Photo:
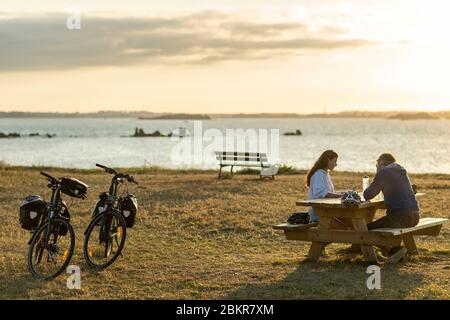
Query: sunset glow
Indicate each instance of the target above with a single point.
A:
(225, 57)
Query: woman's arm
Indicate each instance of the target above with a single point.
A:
(333, 195)
(321, 187)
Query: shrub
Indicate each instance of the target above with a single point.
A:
(287, 169)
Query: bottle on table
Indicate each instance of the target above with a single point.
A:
(365, 183)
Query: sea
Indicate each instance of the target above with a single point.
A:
(421, 146)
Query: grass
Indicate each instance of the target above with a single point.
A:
(197, 237)
(283, 169)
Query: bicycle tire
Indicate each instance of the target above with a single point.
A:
(92, 225)
(33, 243)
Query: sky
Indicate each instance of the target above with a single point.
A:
(235, 56)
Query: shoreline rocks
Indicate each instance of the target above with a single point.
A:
(31, 135)
(140, 133)
(296, 133)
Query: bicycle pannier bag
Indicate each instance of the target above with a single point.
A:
(73, 187)
(128, 207)
(31, 211)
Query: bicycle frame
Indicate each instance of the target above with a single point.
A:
(51, 212)
(110, 219)
(111, 201)
(115, 182)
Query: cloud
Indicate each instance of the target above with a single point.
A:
(43, 42)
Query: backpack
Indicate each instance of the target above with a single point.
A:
(299, 218)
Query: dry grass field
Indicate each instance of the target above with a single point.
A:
(197, 237)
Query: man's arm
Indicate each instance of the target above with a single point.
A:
(375, 187)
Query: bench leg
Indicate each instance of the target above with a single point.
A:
(220, 172)
(410, 244)
(368, 251)
(317, 247)
(315, 250)
(232, 170)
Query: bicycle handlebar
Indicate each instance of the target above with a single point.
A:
(100, 166)
(49, 176)
(108, 170)
(127, 177)
(117, 175)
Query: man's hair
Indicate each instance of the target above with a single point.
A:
(386, 158)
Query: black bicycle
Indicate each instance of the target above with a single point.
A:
(53, 239)
(105, 236)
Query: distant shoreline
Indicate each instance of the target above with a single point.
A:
(179, 116)
(144, 115)
(161, 169)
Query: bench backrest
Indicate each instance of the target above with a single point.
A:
(226, 156)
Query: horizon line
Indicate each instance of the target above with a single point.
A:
(232, 113)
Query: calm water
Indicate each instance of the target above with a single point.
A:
(421, 146)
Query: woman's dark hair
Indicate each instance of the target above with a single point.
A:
(321, 163)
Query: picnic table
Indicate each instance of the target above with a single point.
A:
(326, 209)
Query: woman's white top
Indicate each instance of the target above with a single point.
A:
(319, 186)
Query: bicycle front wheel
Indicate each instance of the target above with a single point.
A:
(105, 239)
(50, 252)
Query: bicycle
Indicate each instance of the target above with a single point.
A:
(106, 233)
(53, 240)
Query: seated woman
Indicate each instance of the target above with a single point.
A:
(320, 185)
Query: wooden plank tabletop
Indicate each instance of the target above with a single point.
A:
(336, 203)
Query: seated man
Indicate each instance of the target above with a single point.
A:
(399, 198)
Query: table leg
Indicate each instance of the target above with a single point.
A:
(367, 250)
(410, 244)
(317, 247)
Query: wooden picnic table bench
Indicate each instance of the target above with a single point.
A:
(320, 233)
(246, 159)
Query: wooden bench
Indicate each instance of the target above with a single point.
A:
(245, 159)
(382, 236)
(426, 226)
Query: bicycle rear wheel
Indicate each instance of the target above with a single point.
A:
(104, 240)
(48, 259)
